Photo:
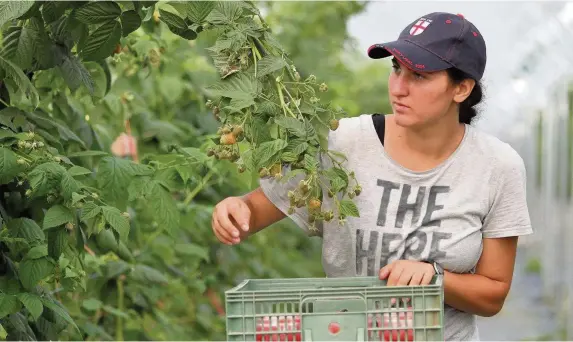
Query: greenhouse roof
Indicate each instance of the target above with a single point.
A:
(529, 47)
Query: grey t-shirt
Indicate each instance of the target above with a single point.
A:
(441, 214)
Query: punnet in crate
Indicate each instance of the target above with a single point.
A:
(334, 309)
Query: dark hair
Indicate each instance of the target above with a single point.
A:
(467, 110)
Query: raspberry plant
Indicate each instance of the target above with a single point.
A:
(263, 101)
(96, 246)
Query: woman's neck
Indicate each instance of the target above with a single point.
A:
(436, 141)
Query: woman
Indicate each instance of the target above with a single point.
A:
(438, 196)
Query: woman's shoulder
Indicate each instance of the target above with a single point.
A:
(496, 151)
(352, 130)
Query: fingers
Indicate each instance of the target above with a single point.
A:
(385, 271)
(427, 278)
(395, 275)
(227, 218)
(405, 277)
(241, 213)
(226, 224)
(403, 273)
(417, 278)
(222, 234)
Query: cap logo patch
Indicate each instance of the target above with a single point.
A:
(420, 26)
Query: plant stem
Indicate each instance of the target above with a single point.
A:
(199, 187)
(292, 99)
(254, 58)
(281, 97)
(119, 320)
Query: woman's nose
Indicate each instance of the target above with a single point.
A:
(399, 85)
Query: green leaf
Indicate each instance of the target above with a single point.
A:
(78, 171)
(115, 311)
(58, 243)
(57, 216)
(115, 174)
(31, 271)
(97, 12)
(13, 9)
(149, 13)
(301, 148)
(226, 12)
(53, 10)
(292, 125)
(3, 333)
(177, 25)
(9, 304)
(19, 45)
(138, 188)
(69, 185)
(102, 42)
(14, 72)
(163, 207)
(107, 73)
(26, 228)
(146, 274)
(310, 162)
(75, 74)
(106, 241)
(130, 21)
(239, 86)
(43, 119)
(33, 303)
(61, 312)
(338, 172)
(193, 250)
(9, 167)
(90, 210)
(310, 130)
(117, 221)
(92, 304)
(77, 197)
(270, 64)
(37, 252)
(237, 104)
(46, 177)
(267, 151)
(348, 208)
(337, 184)
(197, 11)
(289, 157)
(195, 154)
(172, 20)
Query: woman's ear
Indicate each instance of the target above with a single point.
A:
(463, 90)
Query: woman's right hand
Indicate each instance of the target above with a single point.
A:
(231, 216)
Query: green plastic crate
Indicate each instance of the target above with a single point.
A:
(334, 309)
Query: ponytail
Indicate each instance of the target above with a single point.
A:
(467, 110)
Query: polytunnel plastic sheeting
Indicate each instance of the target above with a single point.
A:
(529, 48)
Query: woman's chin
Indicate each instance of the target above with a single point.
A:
(405, 119)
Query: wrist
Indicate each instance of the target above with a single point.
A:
(438, 269)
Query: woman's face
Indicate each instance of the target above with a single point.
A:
(420, 98)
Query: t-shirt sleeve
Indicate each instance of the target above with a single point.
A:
(277, 192)
(508, 214)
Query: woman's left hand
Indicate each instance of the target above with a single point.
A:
(407, 272)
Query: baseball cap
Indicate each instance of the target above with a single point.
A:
(437, 41)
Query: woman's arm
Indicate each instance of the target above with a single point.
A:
(484, 292)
